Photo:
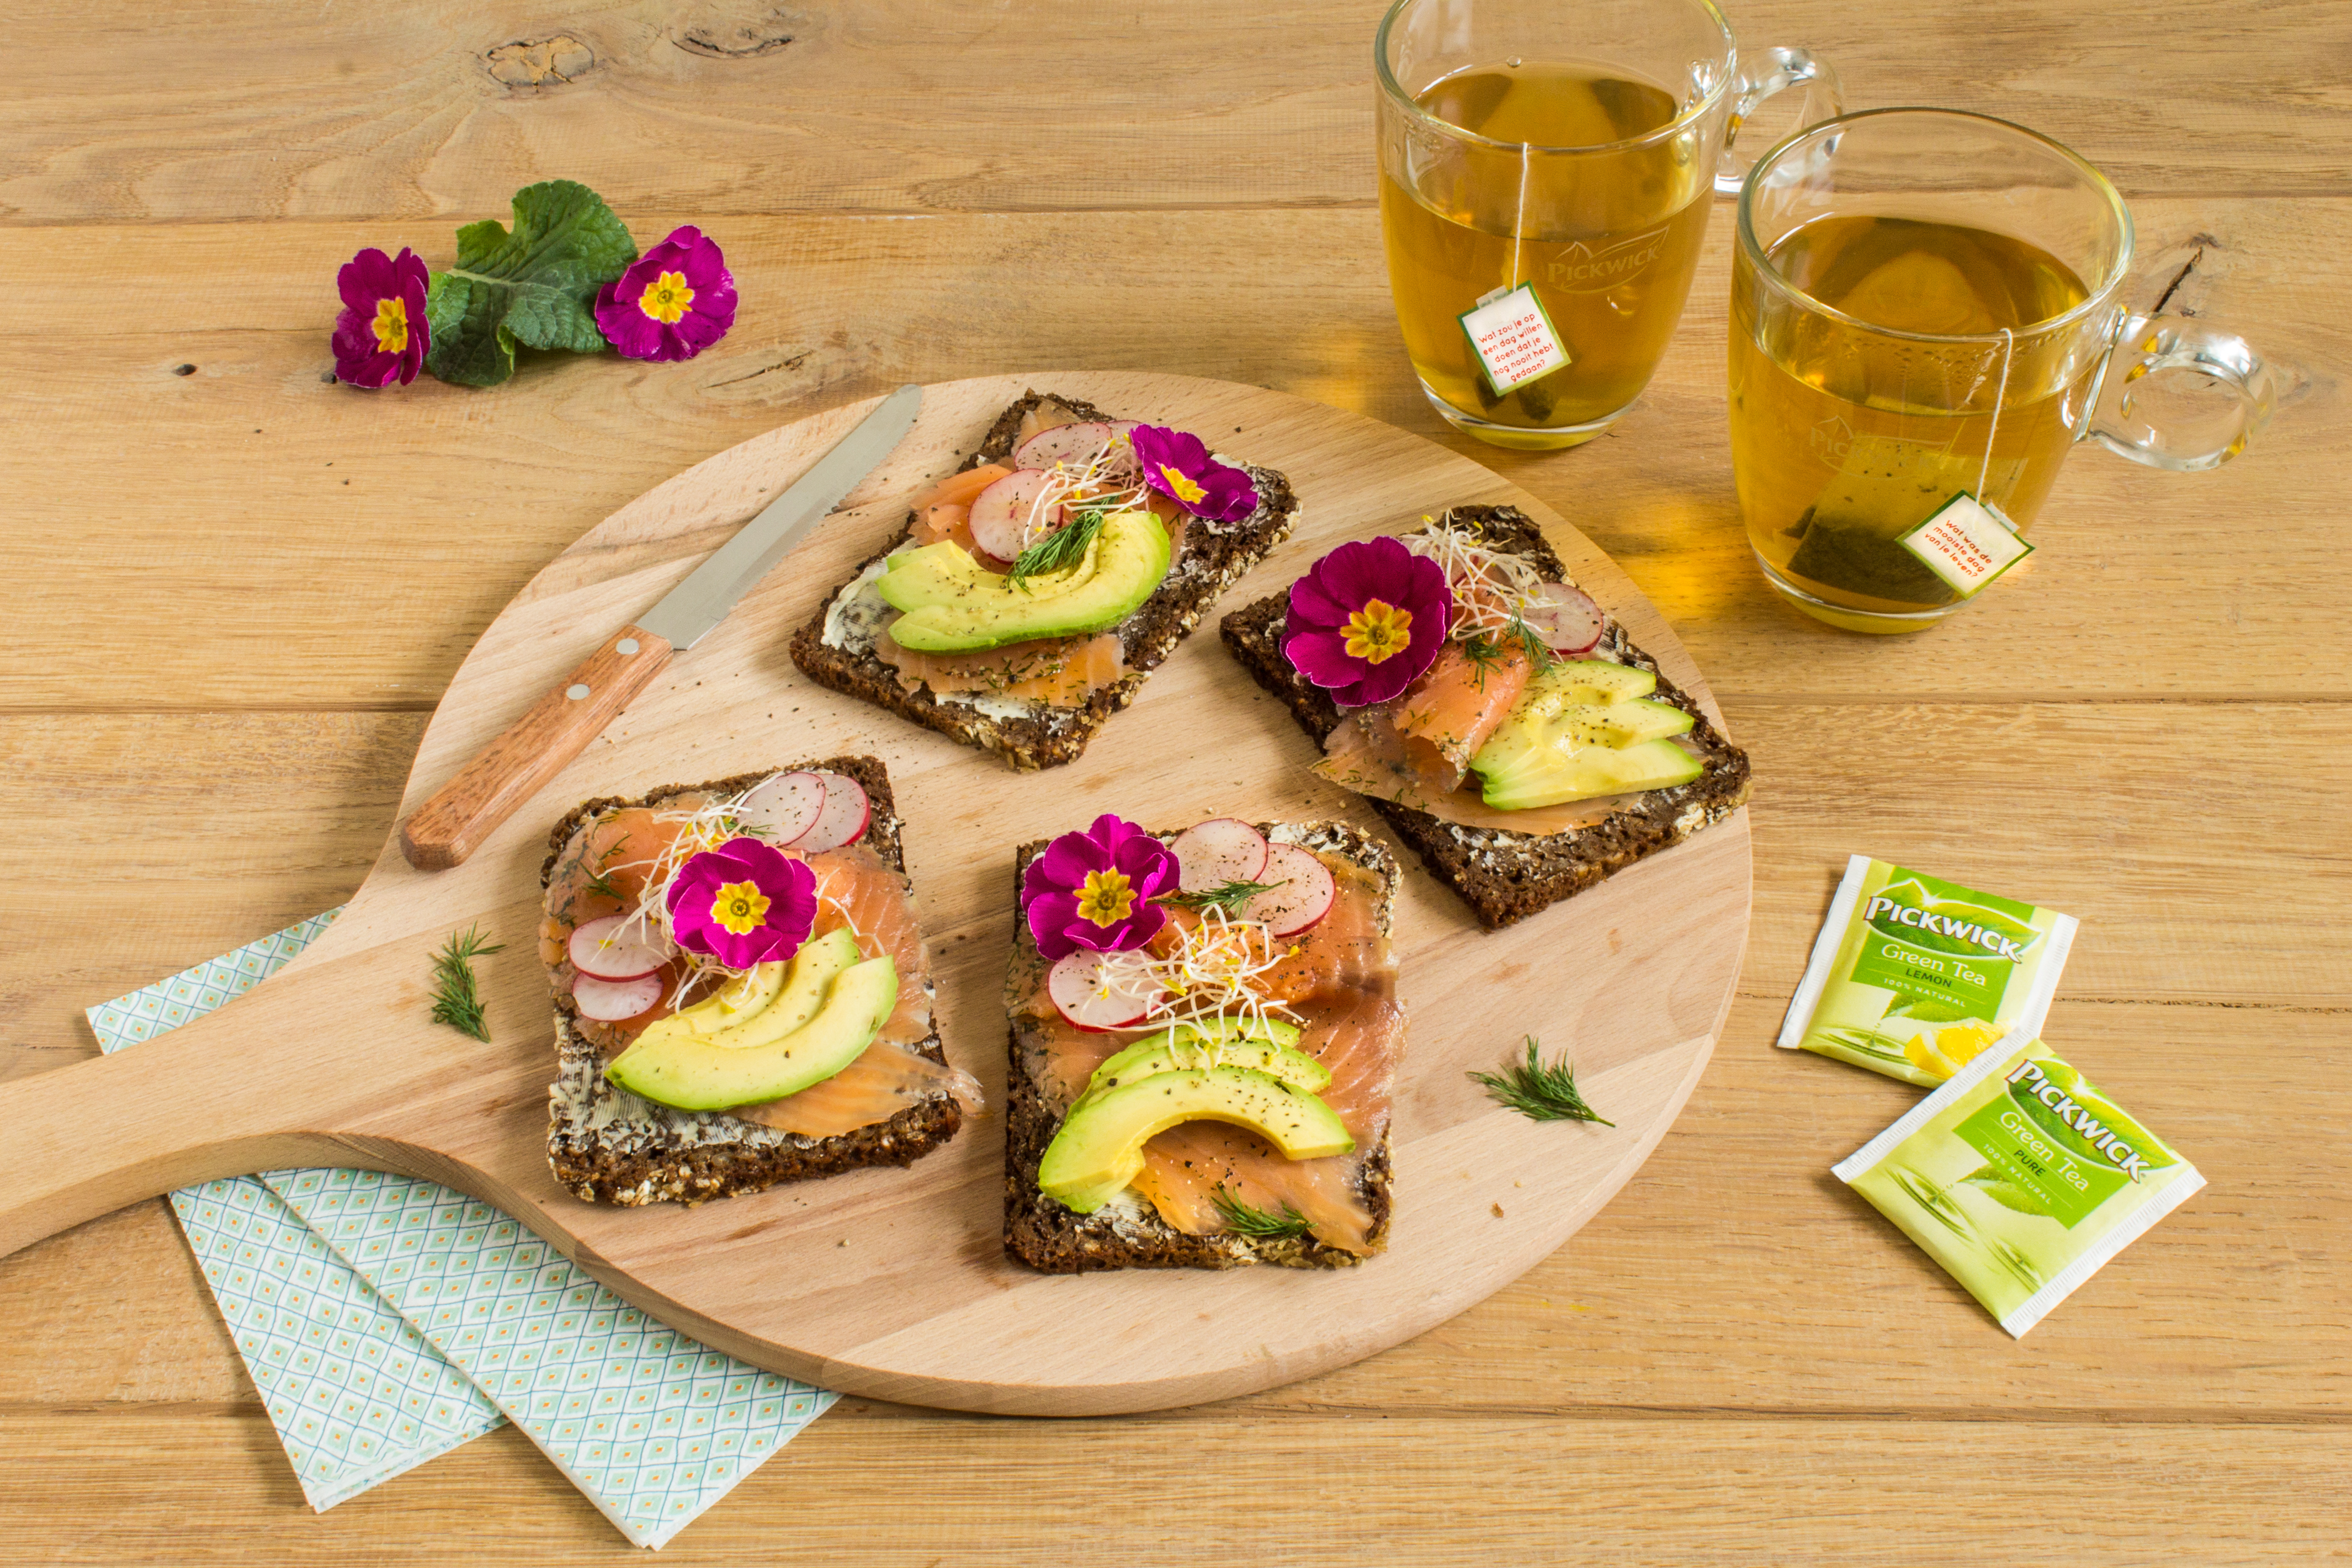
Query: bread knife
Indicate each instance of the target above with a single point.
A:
(558, 727)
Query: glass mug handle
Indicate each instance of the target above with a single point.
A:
(2153, 344)
(1759, 80)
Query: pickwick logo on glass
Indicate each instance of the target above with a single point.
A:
(1580, 268)
(1831, 439)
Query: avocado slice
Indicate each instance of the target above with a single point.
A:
(1099, 1147)
(1584, 727)
(1266, 1046)
(955, 605)
(1549, 777)
(743, 998)
(801, 983)
(703, 1072)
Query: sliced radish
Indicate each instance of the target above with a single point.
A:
(1096, 991)
(1302, 893)
(1000, 514)
(843, 820)
(1076, 444)
(1565, 619)
(785, 807)
(618, 949)
(615, 1001)
(1222, 849)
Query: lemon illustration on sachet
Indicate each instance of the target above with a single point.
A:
(1941, 1052)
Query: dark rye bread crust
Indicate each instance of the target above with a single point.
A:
(1504, 876)
(1208, 562)
(1053, 1240)
(643, 1161)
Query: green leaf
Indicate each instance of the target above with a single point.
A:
(2006, 1193)
(535, 285)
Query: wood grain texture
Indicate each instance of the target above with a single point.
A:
(1527, 1488)
(902, 1288)
(458, 816)
(735, 107)
(356, 543)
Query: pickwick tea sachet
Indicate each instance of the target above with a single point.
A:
(1912, 975)
(2021, 1178)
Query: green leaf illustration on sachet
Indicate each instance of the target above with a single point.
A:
(2005, 1192)
(535, 285)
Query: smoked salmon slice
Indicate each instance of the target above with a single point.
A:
(856, 889)
(1458, 704)
(1366, 754)
(1061, 670)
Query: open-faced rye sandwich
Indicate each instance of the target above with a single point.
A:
(742, 996)
(1205, 1039)
(1033, 589)
(1507, 729)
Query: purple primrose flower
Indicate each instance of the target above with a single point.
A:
(1094, 889)
(744, 902)
(381, 337)
(1367, 620)
(675, 300)
(1177, 465)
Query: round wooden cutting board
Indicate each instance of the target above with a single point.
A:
(894, 1284)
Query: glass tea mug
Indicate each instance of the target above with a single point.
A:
(1847, 434)
(1607, 125)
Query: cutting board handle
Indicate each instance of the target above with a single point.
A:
(534, 748)
(261, 1083)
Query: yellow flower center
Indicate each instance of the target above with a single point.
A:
(391, 325)
(1107, 897)
(741, 907)
(1378, 631)
(667, 297)
(1180, 484)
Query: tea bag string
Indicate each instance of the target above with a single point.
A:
(1519, 224)
(1999, 397)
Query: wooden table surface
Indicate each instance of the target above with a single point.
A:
(236, 590)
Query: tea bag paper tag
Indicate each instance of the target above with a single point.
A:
(1967, 543)
(1513, 338)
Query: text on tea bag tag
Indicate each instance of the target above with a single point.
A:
(1513, 338)
(1967, 543)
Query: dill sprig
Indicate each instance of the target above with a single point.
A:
(602, 880)
(1064, 548)
(1539, 651)
(1243, 1221)
(457, 1000)
(1538, 1093)
(1228, 896)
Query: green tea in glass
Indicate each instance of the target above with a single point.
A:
(1560, 157)
(1926, 306)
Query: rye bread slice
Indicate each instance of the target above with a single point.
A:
(1504, 876)
(1212, 557)
(1050, 1237)
(608, 1145)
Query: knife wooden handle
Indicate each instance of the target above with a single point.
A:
(534, 748)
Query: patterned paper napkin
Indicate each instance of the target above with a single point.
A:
(652, 1425)
(411, 1316)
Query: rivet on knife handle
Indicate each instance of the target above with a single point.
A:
(534, 748)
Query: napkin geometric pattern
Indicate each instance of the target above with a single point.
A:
(356, 1395)
(386, 1319)
(653, 1427)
